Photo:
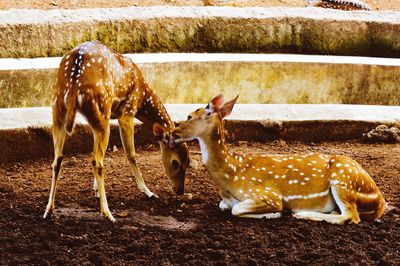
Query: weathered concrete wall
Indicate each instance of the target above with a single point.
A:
(26, 88)
(274, 82)
(24, 128)
(16, 144)
(256, 82)
(36, 33)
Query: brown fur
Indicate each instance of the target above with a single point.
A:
(310, 185)
(104, 85)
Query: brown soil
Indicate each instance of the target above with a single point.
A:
(71, 4)
(183, 230)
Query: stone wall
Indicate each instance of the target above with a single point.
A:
(256, 82)
(37, 33)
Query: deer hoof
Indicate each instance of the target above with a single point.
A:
(111, 219)
(153, 196)
(46, 214)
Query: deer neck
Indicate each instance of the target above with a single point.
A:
(219, 162)
(151, 110)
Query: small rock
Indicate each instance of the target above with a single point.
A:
(123, 214)
(189, 196)
(53, 3)
(114, 149)
(383, 133)
(279, 142)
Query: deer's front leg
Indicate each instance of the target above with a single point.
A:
(227, 202)
(126, 129)
(264, 206)
(95, 188)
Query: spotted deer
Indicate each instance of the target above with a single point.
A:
(103, 85)
(347, 5)
(312, 186)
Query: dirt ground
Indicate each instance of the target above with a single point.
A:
(71, 4)
(190, 229)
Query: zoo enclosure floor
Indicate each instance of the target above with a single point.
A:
(183, 230)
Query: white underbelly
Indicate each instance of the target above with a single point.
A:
(325, 205)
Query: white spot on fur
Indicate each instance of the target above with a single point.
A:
(66, 97)
(80, 99)
(309, 196)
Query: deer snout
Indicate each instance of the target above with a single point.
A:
(174, 139)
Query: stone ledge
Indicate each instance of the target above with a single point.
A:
(25, 133)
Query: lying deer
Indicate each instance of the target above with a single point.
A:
(104, 85)
(312, 186)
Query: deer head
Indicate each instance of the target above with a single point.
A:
(175, 158)
(203, 121)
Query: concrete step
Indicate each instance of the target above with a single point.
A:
(18, 118)
(201, 29)
(25, 133)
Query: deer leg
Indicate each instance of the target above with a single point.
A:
(59, 134)
(255, 208)
(227, 202)
(318, 216)
(126, 129)
(348, 210)
(95, 188)
(101, 138)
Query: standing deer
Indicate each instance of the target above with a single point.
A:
(310, 185)
(104, 85)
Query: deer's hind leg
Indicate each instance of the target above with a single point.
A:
(348, 209)
(101, 138)
(126, 129)
(59, 133)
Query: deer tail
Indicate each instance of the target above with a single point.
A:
(70, 102)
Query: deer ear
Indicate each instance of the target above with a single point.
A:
(215, 104)
(227, 108)
(158, 130)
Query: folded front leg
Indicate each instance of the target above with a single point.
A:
(256, 208)
(228, 201)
